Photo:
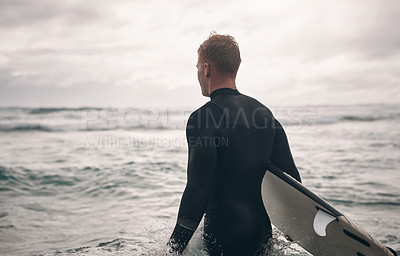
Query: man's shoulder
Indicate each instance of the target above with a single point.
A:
(203, 119)
(204, 116)
(256, 103)
(208, 107)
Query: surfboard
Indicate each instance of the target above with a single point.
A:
(311, 222)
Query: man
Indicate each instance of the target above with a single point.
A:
(231, 139)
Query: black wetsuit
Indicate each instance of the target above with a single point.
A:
(230, 139)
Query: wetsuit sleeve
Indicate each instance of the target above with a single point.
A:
(281, 155)
(202, 164)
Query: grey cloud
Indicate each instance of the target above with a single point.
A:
(87, 51)
(16, 13)
(124, 47)
(379, 38)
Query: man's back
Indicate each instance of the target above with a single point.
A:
(241, 131)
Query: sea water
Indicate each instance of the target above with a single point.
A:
(108, 181)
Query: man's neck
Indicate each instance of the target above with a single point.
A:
(222, 82)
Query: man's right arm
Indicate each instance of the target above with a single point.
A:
(281, 155)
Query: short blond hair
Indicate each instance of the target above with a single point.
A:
(222, 51)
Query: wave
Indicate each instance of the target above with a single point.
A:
(24, 128)
(120, 245)
(368, 118)
(98, 119)
(364, 202)
(43, 128)
(36, 111)
(17, 178)
(21, 181)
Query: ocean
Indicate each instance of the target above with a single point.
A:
(108, 181)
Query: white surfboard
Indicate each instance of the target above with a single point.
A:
(311, 222)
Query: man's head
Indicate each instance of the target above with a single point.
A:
(218, 58)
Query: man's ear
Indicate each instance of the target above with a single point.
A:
(207, 69)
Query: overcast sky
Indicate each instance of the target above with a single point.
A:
(143, 53)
